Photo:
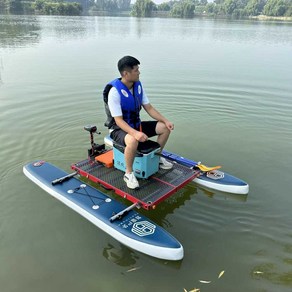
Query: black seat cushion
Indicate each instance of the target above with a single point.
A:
(143, 147)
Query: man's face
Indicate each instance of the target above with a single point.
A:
(132, 75)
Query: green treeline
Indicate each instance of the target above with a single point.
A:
(147, 8)
(57, 8)
(46, 7)
(111, 5)
(234, 8)
(243, 8)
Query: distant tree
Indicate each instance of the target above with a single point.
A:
(289, 10)
(276, 7)
(210, 8)
(72, 8)
(143, 8)
(164, 7)
(124, 4)
(203, 2)
(188, 9)
(213, 8)
(183, 9)
(54, 8)
(110, 5)
(230, 6)
(255, 7)
(15, 6)
(234, 7)
(11, 6)
(39, 5)
(218, 1)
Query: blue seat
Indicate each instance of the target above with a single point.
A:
(146, 161)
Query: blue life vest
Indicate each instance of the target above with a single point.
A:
(130, 103)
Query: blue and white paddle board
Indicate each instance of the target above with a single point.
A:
(133, 229)
(215, 179)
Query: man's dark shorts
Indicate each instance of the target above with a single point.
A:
(148, 128)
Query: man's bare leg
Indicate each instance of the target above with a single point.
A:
(130, 152)
(132, 144)
(163, 133)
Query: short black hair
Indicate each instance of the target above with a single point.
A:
(127, 62)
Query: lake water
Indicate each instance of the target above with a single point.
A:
(227, 87)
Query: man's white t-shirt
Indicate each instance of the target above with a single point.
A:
(114, 101)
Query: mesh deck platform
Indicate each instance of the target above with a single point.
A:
(151, 191)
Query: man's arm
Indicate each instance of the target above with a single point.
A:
(139, 136)
(155, 114)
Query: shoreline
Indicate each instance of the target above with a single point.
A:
(265, 17)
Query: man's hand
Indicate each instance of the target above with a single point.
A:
(153, 113)
(169, 125)
(140, 136)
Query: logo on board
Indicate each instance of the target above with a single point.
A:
(143, 228)
(215, 174)
(38, 163)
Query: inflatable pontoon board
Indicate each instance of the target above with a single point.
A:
(131, 228)
(215, 179)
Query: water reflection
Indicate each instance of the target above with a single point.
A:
(21, 30)
(74, 27)
(181, 198)
(1, 69)
(120, 255)
(106, 26)
(125, 257)
(227, 196)
(271, 271)
(16, 31)
(245, 32)
(164, 209)
(176, 201)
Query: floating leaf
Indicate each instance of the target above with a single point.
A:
(221, 274)
(185, 290)
(204, 282)
(258, 272)
(195, 290)
(133, 269)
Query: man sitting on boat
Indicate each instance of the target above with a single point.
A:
(124, 97)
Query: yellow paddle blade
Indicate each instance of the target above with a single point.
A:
(205, 168)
